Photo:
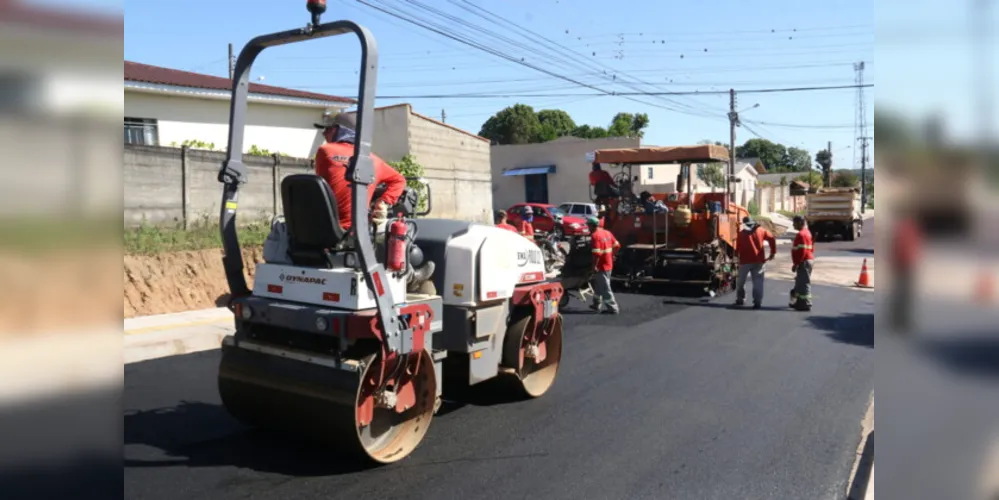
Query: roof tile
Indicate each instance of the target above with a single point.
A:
(138, 72)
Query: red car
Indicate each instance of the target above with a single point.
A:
(544, 219)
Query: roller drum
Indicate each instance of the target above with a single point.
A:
(320, 403)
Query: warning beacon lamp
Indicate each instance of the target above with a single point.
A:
(316, 8)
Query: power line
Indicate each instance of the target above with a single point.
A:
(800, 125)
(466, 41)
(627, 94)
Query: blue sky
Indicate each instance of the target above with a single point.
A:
(724, 44)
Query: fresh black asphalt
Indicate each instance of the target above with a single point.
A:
(671, 399)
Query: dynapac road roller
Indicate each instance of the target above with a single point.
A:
(329, 344)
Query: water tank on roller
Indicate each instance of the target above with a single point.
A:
(682, 216)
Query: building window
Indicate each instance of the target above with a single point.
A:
(142, 131)
(536, 188)
(652, 173)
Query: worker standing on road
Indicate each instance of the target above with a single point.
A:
(526, 228)
(905, 253)
(802, 259)
(500, 221)
(605, 245)
(332, 161)
(752, 259)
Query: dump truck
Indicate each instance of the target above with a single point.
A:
(834, 211)
(331, 344)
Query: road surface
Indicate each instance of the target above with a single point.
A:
(672, 399)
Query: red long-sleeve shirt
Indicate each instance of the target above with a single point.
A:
(600, 175)
(802, 249)
(508, 227)
(750, 246)
(332, 160)
(604, 246)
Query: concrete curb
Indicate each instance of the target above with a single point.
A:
(152, 337)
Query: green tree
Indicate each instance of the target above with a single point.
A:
(517, 124)
(588, 132)
(812, 178)
(845, 179)
(628, 125)
(556, 121)
(824, 161)
(712, 174)
(770, 153)
(797, 160)
(409, 167)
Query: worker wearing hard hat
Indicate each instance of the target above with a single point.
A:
(802, 259)
(332, 160)
(525, 227)
(752, 259)
(605, 245)
(500, 220)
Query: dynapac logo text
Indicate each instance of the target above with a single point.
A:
(303, 279)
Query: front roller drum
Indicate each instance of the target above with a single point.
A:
(347, 410)
(534, 363)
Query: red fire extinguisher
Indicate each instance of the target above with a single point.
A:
(397, 244)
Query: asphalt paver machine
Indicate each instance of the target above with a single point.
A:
(329, 344)
(690, 241)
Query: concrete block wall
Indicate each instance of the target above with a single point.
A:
(455, 162)
(177, 186)
(569, 183)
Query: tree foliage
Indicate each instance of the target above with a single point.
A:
(796, 160)
(628, 125)
(517, 124)
(588, 132)
(812, 178)
(557, 121)
(845, 179)
(823, 159)
(409, 167)
(712, 174)
(770, 153)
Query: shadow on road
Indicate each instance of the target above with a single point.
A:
(175, 431)
(975, 355)
(850, 328)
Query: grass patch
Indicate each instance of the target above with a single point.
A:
(789, 214)
(44, 234)
(151, 240)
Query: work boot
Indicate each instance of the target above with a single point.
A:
(802, 305)
(423, 273)
(740, 302)
(757, 305)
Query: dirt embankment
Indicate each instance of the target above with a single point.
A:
(182, 281)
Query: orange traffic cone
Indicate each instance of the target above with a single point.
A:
(865, 280)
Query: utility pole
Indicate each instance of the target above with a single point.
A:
(443, 116)
(861, 135)
(232, 63)
(863, 173)
(733, 121)
(827, 175)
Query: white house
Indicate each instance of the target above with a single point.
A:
(662, 179)
(165, 107)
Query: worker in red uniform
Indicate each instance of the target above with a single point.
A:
(526, 228)
(603, 184)
(605, 245)
(752, 259)
(905, 252)
(500, 221)
(802, 260)
(332, 160)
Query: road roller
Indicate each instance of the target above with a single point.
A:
(330, 343)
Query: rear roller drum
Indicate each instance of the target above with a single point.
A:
(348, 410)
(535, 364)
